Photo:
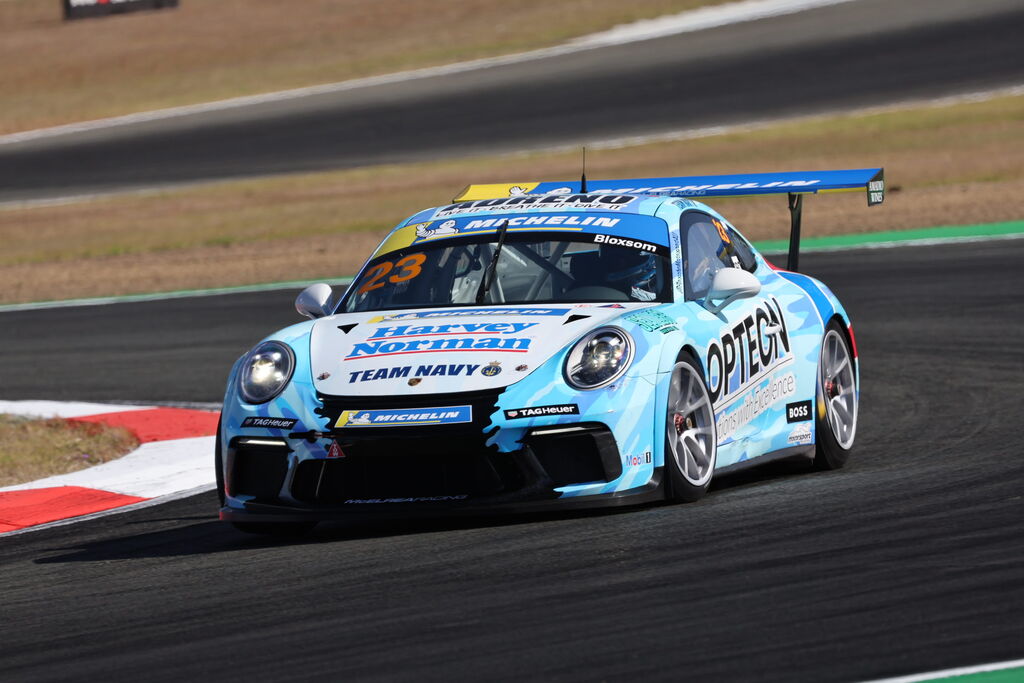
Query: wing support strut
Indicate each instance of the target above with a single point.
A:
(796, 205)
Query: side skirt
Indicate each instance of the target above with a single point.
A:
(806, 452)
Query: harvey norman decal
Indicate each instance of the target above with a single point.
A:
(399, 339)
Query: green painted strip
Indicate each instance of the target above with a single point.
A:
(940, 235)
(1004, 676)
(950, 233)
(180, 294)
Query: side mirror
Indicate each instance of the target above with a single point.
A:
(728, 285)
(314, 301)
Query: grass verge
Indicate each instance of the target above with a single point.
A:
(61, 72)
(33, 449)
(957, 165)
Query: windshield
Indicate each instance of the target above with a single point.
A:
(533, 268)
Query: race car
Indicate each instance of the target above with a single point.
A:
(545, 345)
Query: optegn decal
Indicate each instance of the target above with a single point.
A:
(468, 312)
(457, 328)
(798, 412)
(405, 417)
(269, 422)
(604, 202)
(391, 348)
(755, 403)
(540, 411)
(652, 321)
(403, 371)
(754, 345)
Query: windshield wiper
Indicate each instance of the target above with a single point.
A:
(492, 268)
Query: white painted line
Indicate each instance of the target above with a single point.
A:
(700, 19)
(951, 673)
(153, 469)
(685, 22)
(605, 143)
(45, 409)
(180, 294)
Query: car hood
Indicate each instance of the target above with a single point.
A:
(445, 350)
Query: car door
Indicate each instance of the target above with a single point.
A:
(784, 398)
(733, 340)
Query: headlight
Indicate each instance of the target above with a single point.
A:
(599, 358)
(265, 371)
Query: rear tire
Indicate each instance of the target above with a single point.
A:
(691, 441)
(835, 414)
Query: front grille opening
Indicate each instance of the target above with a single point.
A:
(384, 475)
(257, 472)
(584, 455)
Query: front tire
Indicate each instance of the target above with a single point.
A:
(691, 441)
(835, 415)
(218, 464)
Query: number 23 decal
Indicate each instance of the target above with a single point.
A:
(408, 267)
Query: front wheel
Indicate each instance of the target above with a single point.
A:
(836, 412)
(691, 442)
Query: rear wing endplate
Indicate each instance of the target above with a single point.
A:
(793, 184)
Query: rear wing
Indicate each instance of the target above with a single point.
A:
(793, 184)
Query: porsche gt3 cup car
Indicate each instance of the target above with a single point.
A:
(533, 346)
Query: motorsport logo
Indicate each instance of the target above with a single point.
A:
(540, 411)
(554, 202)
(389, 341)
(801, 434)
(419, 315)
(405, 417)
(269, 422)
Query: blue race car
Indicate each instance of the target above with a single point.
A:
(542, 345)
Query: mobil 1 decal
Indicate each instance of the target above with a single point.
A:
(742, 364)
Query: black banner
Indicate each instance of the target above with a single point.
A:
(81, 9)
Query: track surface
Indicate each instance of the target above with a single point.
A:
(854, 54)
(907, 560)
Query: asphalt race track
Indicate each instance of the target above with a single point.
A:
(907, 560)
(829, 59)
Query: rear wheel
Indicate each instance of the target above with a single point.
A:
(691, 443)
(835, 414)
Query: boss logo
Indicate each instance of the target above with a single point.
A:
(798, 412)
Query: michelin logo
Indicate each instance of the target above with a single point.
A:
(446, 229)
(405, 417)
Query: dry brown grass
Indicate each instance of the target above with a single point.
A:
(58, 72)
(952, 166)
(33, 449)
